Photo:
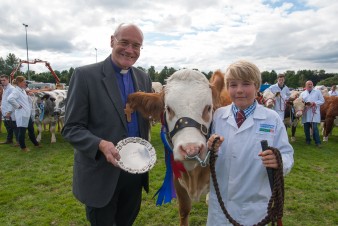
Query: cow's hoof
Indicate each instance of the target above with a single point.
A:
(325, 139)
(293, 139)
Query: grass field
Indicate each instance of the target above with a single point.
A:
(35, 187)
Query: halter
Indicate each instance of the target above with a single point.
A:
(188, 122)
(182, 123)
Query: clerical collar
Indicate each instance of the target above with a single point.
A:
(124, 71)
(119, 70)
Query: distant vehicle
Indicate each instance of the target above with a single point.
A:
(40, 85)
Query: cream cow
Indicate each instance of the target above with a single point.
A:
(187, 102)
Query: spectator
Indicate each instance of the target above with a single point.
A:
(23, 109)
(7, 111)
(95, 122)
(333, 91)
(313, 98)
(282, 93)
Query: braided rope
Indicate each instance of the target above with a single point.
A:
(276, 202)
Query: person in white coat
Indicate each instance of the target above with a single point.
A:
(8, 111)
(241, 165)
(313, 98)
(20, 102)
(282, 93)
(333, 91)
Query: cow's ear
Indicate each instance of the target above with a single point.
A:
(217, 81)
(147, 104)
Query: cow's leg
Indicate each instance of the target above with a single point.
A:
(59, 124)
(39, 126)
(293, 133)
(52, 131)
(328, 124)
(184, 203)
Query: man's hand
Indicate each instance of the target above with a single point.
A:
(110, 152)
(8, 115)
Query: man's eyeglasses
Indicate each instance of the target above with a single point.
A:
(126, 44)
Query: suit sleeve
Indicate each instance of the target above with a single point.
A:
(76, 129)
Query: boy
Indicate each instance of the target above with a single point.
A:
(241, 165)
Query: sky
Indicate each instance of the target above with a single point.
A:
(206, 34)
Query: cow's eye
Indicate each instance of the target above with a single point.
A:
(206, 113)
(169, 110)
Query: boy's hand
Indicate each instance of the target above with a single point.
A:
(269, 159)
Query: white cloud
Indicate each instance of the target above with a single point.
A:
(208, 35)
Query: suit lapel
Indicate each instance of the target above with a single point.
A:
(110, 82)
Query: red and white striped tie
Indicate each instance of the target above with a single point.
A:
(240, 118)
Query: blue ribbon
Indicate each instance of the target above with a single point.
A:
(167, 191)
(42, 114)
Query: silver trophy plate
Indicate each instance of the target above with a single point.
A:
(137, 155)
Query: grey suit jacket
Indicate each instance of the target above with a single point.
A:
(94, 111)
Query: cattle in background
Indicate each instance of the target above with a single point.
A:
(269, 99)
(328, 113)
(290, 118)
(49, 110)
(156, 87)
(323, 89)
(188, 120)
(60, 103)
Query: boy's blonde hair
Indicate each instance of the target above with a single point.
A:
(245, 71)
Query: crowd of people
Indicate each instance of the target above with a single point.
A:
(95, 122)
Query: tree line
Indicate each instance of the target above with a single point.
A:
(292, 79)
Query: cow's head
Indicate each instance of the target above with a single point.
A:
(60, 101)
(187, 101)
(299, 106)
(269, 98)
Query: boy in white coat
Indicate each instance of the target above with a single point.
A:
(241, 165)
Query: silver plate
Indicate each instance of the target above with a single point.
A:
(137, 155)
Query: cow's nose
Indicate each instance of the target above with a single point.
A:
(191, 149)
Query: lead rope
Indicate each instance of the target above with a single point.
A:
(276, 202)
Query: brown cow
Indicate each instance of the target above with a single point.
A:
(187, 102)
(328, 113)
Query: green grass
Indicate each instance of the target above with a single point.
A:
(35, 187)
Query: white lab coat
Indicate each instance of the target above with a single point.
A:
(333, 93)
(19, 98)
(281, 99)
(312, 114)
(5, 106)
(241, 175)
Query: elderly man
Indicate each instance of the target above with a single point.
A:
(282, 93)
(7, 110)
(95, 122)
(313, 99)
